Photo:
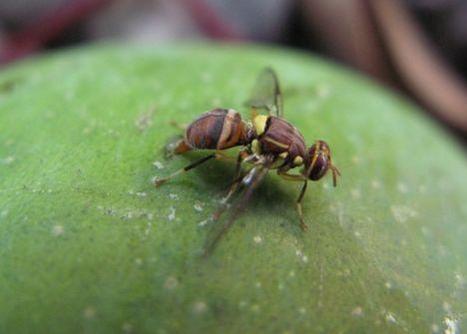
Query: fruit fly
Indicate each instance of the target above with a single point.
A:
(267, 142)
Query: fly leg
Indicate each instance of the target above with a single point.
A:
(303, 226)
(300, 178)
(158, 182)
(242, 157)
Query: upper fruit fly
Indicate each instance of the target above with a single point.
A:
(267, 142)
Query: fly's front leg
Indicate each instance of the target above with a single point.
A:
(243, 156)
(299, 178)
(303, 226)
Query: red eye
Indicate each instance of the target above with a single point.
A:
(320, 167)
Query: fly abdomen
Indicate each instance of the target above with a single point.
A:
(217, 129)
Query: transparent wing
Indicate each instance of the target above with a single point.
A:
(267, 93)
(251, 182)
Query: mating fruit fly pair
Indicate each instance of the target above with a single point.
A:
(267, 141)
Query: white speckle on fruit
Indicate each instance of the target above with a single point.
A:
(57, 230)
(357, 311)
(171, 215)
(302, 256)
(257, 239)
(325, 186)
(451, 325)
(198, 207)
(141, 194)
(425, 231)
(127, 328)
(390, 317)
(203, 223)
(147, 230)
(302, 310)
(206, 77)
(144, 120)
(158, 164)
(150, 216)
(355, 193)
(199, 307)
(280, 286)
(242, 304)
(375, 184)
(258, 285)
(357, 234)
(138, 261)
(460, 281)
(323, 91)
(69, 95)
(171, 283)
(8, 160)
(388, 285)
(216, 101)
(434, 328)
(292, 273)
(89, 312)
(402, 188)
(403, 213)
(4, 213)
(356, 159)
(447, 307)
(255, 308)
(173, 196)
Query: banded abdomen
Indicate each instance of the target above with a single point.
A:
(217, 129)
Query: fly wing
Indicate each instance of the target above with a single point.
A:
(267, 93)
(250, 183)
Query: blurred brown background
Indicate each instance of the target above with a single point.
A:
(418, 47)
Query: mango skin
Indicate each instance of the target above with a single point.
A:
(88, 245)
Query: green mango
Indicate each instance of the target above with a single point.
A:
(89, 245)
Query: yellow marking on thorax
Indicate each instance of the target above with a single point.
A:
(298, 160)
(256, 146)
(275, 142)
(259, 122)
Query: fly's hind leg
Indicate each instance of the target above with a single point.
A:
(158, 182)
(182, 147)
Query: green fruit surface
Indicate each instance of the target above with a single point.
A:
(88, 245)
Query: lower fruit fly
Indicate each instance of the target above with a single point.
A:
(267, 142)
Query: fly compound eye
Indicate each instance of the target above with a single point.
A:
(319, 168)
(319, 160)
